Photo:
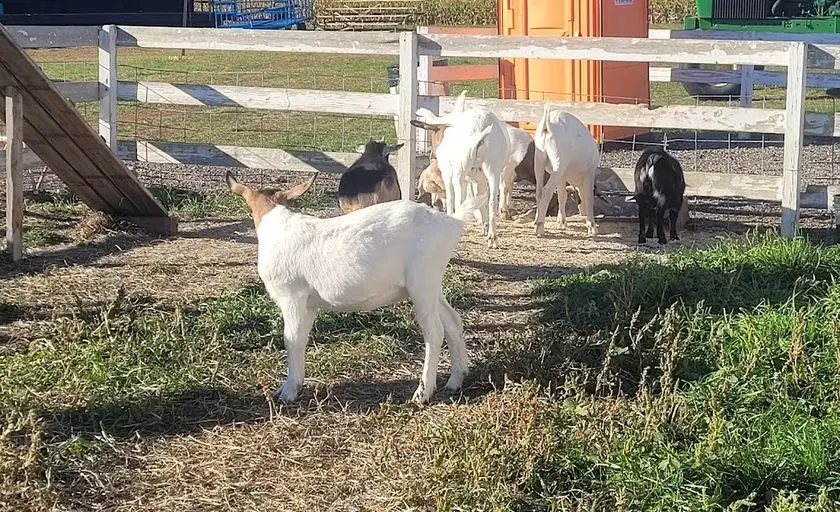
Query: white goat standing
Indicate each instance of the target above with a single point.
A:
(369, 258)
(474, 151)
(567, 151)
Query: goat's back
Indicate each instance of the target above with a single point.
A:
(453, 148)
(352, 259)
(569, 142)
(366, 183)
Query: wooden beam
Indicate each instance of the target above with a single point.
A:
(777, 78)
(263, 98)
(356, 43)
(14, 173)
(78, 92)
(794, 134)
(683, 117)
(407, 133)
(34, 36)
(67, 143)
(619, 49)
(108, 85)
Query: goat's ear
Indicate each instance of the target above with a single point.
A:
(387, 150)
(235, 187)
(424, 126)
(299, 189)
(360, 149)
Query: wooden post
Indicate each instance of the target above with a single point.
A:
(14, 173)
(108, 85)
(797, 67)
(424, 76)
(407, 134)
(747, 84)
(837, 212)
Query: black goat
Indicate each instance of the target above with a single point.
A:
(660, 188)
(370, 180)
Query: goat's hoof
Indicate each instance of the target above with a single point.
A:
(539, 228)
(492, 243)
(421, 396)
(674, 237)
(506, 216)
(453, 385)
(593, 230)
(288, 393)
(642, 240)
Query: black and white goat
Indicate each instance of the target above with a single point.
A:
(660, 189)
(371, 179)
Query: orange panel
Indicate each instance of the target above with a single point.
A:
(564, 80)
(625, 82)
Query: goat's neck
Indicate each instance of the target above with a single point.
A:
(272, 223)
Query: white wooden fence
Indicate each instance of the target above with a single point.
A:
(792, 121)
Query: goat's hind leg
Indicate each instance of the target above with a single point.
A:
(672, 220)
(453, 330)
(428, 315)
(297, 323)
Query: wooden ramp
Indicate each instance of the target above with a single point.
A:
(68, 145)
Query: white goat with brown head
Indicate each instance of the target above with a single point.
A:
(369, 258)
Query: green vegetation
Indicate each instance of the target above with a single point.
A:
(707, 381)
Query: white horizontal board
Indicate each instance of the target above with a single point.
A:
(234, 156)
(33, 36)
(302, 100)
(371, 43)
(681, 117)
(605, 49)
(78, 92)
(823, 52)
(709, 184)
(660, 74)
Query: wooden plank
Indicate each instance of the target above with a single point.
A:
(747, 82)
(477, 31)
(65, 141)
(78, 92)
(465, 73)
(234, 156)
(14, 173)
(776, 78)
(108, 85)
(794, 134)
(407, 133)
(264, 98)
(707, 184)
(33, 36)
(683, 117)
(823, 52)
(363, 43)
(610, 49)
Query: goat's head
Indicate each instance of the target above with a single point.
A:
(262, 201)
(437, 134)
(378, 148)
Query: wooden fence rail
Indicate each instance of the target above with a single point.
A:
(412, 48)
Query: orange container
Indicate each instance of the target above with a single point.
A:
(575, 80)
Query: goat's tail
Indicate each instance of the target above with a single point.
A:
(542, 125)
(466, 209)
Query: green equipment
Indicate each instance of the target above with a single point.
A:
(787, 16)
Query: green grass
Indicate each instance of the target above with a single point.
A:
(708, 381)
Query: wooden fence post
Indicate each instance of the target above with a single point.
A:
(797, 67)
(14, 173)
(407, 134)
(424, 76)
(108, 85)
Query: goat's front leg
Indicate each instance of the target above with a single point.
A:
(493, 181)
(297, 323)
(427, 314)
(506, 193)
